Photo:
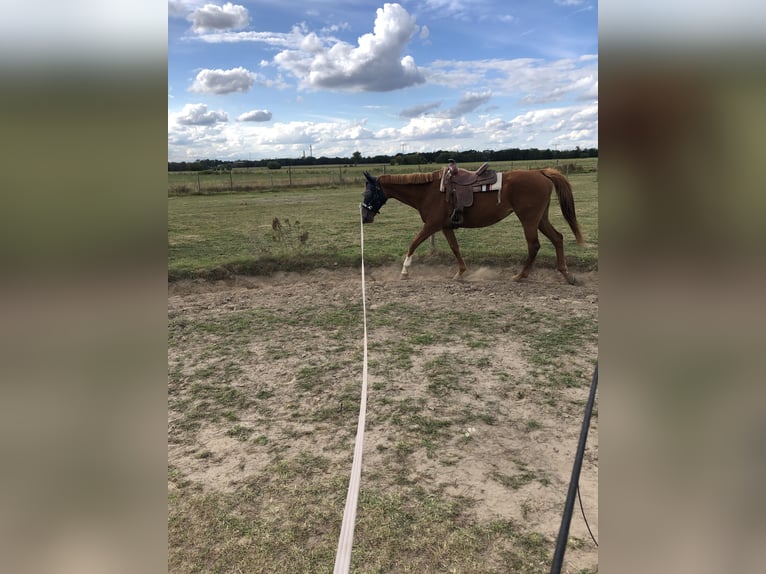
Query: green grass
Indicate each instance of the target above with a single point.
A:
(258, 529)
(224, 233)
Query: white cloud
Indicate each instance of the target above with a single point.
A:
(432, 127)
(588, 114)
(538, 118)
(255, 116)
(198, 115)
(336, 27)
(212, 17)
(238, 140)
(312, 44)
(563, 127)
(375, 64)
(533, 81)
(313, 132)
(290, 39)
(197, 132)
(581, 138)
(223, 81)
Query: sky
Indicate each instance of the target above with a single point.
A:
(274, 79)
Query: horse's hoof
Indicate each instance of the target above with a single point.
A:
(518, 277)
(404, 276)
(571, 280)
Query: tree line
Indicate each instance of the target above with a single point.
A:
(416, 158)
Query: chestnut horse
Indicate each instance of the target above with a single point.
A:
(526, 193)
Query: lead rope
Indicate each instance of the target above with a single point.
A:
(346, 539)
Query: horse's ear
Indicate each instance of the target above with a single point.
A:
(369, 177)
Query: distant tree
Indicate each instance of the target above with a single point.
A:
(438, 156)
(379, 159)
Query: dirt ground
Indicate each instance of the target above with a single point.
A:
(507, 437)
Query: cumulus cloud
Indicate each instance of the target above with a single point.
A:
(375, 64)
(212, 18)
(199, 115)
(538, 118)
(255, 116)
(321, 134)
(433, 127)
(588, 114)
(563, 126)
(223, 81)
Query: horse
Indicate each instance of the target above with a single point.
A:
(526, 193)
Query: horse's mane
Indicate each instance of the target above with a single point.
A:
(410, 178)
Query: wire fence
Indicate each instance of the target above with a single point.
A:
(265, 179)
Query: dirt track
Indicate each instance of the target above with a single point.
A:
(509, 418)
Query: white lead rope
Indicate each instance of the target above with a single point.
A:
(346, 539)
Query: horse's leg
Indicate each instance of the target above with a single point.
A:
(424, 234)
(547, 229)
(449, 233)
(533, 246)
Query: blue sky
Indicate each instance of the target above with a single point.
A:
(265, 79)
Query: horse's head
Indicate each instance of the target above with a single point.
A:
(372, 199)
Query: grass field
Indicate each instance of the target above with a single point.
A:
(224, 233)
(476, 388)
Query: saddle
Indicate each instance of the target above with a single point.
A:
(462, 185)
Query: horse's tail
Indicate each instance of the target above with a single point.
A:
(566, 200)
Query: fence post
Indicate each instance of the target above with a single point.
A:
(198, 187)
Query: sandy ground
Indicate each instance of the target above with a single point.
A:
(472, 460)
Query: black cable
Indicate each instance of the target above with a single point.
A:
(566, 519)
(585, 519)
